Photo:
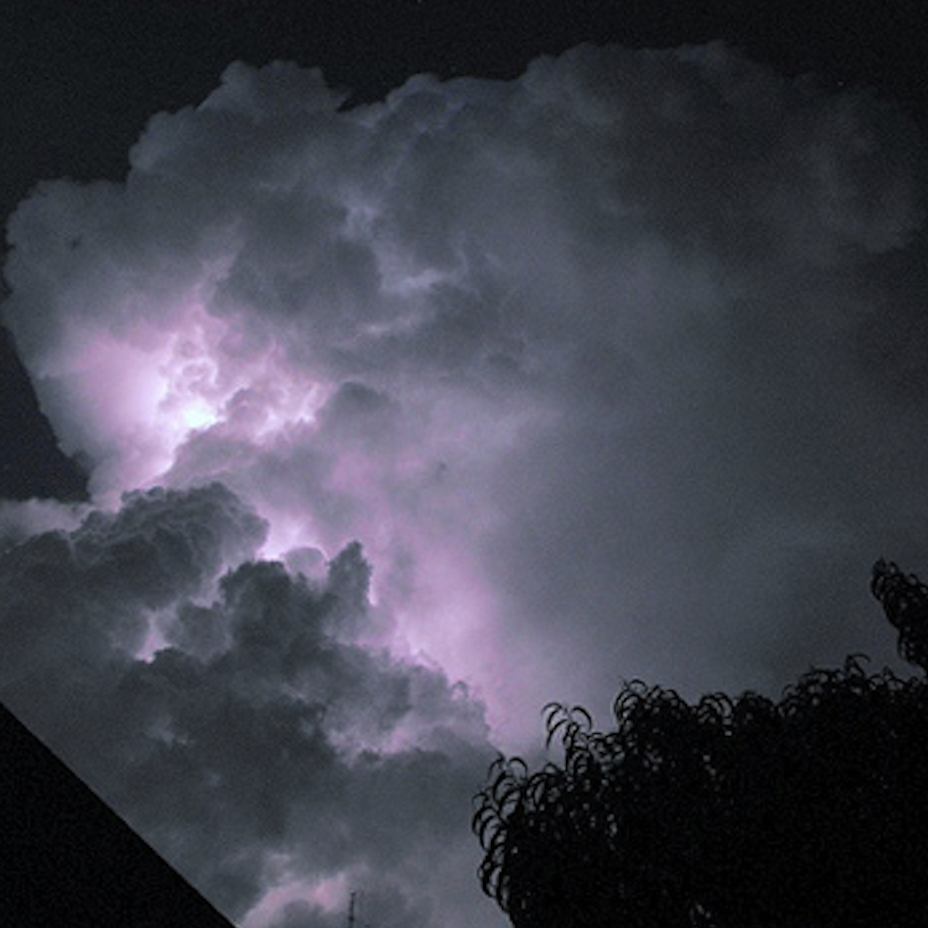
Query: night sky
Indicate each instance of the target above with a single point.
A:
(383, 371)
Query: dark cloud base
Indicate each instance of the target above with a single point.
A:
(257, 729)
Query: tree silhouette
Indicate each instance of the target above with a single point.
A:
(742, 812)
(905, 601)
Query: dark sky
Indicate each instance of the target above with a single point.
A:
(406, 403)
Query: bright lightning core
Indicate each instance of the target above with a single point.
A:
(191, 390)
(142, 403)
(198, 415)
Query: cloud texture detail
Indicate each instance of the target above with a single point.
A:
(614, 370)
(257, 741)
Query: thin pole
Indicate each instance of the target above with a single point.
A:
(351, 910)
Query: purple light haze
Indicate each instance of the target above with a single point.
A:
(594, 364)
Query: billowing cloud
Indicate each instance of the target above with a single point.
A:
(614, 370)
(256, 746)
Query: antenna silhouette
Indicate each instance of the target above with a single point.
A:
(353, 906)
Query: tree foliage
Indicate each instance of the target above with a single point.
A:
(736, 812)
(905, 602)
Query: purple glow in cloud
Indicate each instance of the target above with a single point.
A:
(591, 363)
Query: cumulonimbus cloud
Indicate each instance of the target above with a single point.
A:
(613, 369)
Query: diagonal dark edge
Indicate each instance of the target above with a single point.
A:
(66, 859)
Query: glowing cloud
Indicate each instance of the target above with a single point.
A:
(593, 363)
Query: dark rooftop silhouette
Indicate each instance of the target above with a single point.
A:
(69, 860)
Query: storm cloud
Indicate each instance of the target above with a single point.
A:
(614, 370)
(256, 745)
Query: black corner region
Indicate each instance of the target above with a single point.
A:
(69, 860)
(31, 463)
